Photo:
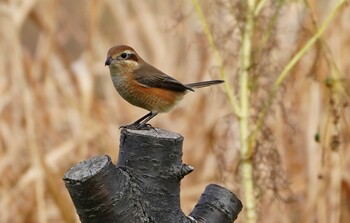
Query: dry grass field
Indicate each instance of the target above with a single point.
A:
(58, 105)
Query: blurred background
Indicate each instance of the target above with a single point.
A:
(58, 105)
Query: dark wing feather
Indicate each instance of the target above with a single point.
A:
(150, 76)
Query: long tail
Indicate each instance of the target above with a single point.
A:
(204, 84)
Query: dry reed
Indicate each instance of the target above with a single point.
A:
(58, 105)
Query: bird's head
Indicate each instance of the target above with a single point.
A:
(122, 59)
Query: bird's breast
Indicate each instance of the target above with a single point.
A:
(152, 99)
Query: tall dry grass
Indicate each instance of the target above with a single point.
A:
(58, 105)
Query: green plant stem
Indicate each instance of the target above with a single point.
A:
(246, 166)
(228, 86)
(284, 74)
(335, 72)
(259, 6)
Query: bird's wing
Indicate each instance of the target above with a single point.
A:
(149, 76)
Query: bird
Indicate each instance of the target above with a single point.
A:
(144, 86)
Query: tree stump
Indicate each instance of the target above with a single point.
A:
(144, 186)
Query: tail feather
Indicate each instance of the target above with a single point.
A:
(204, 84)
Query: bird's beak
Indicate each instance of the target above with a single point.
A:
(108, 61)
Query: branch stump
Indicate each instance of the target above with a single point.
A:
(144, 186)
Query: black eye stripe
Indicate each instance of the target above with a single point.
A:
(128, 56)
(133, 57)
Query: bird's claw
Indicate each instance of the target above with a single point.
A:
(137, 126)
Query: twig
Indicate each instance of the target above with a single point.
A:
(218, 58)
(284, 74)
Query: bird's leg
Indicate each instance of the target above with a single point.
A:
(146, 118)
(142, 118)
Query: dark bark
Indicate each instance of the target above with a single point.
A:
(217, 205)
(144, 186)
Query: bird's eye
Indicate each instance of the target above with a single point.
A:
(124, 55)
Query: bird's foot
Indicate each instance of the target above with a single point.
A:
(137, 126)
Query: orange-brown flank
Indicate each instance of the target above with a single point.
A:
(152, 99)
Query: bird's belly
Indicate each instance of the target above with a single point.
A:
(152, 99)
